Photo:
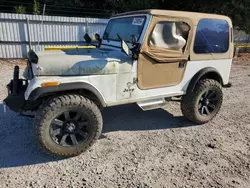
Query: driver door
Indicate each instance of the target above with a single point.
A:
(164, 53)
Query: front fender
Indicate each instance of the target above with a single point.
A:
(41, 91)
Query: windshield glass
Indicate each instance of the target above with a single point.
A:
(124, 28)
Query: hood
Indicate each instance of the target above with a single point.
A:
(81, 62)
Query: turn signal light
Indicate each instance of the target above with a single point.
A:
(47, 84)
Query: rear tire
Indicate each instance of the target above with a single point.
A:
(203, 103)
(68, 125)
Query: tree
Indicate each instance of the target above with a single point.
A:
(36, 7)
(20, 9)
(238, 10)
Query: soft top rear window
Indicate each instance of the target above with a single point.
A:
(212, 36)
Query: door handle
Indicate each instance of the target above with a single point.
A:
(181, 65)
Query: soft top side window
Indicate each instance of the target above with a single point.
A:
(212, 36)
(170, 35)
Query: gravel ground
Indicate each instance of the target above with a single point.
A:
(156, 148)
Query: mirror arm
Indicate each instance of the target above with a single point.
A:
(135, 51)
(99, 43)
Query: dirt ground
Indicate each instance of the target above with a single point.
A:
(157, 148)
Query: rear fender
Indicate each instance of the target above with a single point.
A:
(209, 72)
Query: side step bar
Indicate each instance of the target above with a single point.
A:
(152, 104)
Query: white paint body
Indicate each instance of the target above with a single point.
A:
(115, 88)
(112, 86)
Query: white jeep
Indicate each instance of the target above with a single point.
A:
(144, 57)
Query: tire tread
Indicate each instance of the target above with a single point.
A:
(51, 105)
(189, 100)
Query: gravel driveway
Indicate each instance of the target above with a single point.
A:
(156, 148)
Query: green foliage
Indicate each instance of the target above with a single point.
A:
(36, 7)
(238, 10)
(20, 9)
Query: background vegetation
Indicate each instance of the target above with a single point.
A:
(238, 10)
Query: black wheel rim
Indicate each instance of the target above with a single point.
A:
(208, 103)
(69, 128)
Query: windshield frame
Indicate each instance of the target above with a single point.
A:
(127, 16)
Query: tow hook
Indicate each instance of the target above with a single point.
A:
(26, 115)
(4, 107)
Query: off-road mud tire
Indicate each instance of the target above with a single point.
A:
(50, 108)
(190, 101)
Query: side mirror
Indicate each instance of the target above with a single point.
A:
(135, 47)
(97, 37)
(87, 38)
(125, 47)
(133, 40)
(99, 40)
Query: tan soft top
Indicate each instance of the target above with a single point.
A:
(192, 19)
(194, 16)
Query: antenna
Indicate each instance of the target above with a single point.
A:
(41, 28)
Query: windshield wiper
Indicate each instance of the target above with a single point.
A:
(106, 36)
(119, 37)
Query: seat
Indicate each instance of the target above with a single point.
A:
(165, 36)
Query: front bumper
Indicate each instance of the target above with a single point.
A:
(16, 89)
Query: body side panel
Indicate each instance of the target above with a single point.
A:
(120, 89)
(132, 92)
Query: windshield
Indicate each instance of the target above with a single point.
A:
(124, 28)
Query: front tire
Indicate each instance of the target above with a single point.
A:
(202, 105)
(68, 125)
